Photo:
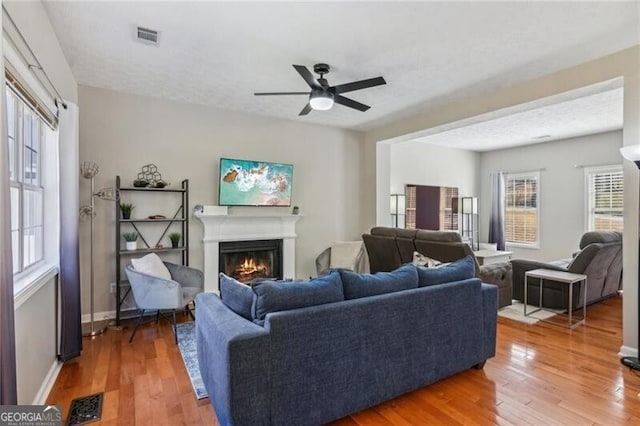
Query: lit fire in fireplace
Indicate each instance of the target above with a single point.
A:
(250, 269)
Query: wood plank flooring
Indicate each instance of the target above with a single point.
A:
(541, 375)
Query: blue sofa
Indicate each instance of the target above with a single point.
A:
(315, 364)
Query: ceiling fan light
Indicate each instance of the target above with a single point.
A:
(321, 101)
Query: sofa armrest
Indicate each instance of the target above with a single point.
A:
(519, 267)
(500, 275)
(489, 318)
(234, 356)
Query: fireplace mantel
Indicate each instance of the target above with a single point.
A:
(229, 227)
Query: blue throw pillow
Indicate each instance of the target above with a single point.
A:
(364, 285)
(454, 271)
(236, 296)
(274, 296)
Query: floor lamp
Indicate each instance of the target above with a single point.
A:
(88, 170)
(632, 153)
(469, 212)
(397, 208)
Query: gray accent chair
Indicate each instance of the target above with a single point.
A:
(599, 258)
(153, 293)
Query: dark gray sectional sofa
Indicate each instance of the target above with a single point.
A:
(371, 338)
(388, 248)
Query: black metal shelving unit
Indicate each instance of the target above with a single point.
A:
(140, 225)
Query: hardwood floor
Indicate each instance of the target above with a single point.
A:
(541, 375)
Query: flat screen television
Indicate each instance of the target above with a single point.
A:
(254, 183)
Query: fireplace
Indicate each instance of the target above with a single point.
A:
(248, 260)
(221, 227)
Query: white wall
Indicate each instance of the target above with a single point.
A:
(562, 189)
(423, 164)
(35, 319)
(123, 132)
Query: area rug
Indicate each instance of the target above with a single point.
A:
(187, 344)
(516, 313)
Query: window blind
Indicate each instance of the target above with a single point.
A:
(29, 98)
(521, 209)
(606, 199)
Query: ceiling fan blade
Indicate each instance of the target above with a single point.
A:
(350, 103)
(308, 77)
(281, 93)
(306, 110)
(357, 85)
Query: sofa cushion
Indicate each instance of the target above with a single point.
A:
(455, 271)
(236, 296)
(151, 264)
(274, 296)
(364, 285)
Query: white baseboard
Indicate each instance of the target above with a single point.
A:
(47, 384)
(101, 316)
(628, 351)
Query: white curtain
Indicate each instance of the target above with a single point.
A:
(69, 157)
(8, 387)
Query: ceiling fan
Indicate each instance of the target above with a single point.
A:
(322, 96)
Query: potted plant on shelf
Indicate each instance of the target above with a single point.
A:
(125, 209)
(131, 239)
(175, 239)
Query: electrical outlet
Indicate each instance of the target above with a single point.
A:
(113, 287)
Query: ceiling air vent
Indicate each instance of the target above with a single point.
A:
(148, 36)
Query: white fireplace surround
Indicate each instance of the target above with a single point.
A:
(229, 227)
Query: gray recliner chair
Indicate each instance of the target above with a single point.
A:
(153, 293)
(599, 258)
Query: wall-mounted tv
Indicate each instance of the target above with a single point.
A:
(254, 183)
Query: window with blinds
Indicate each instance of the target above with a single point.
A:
(447, 217)
(521, 208)
(605, 195)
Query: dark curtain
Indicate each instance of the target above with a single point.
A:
(496, 220)
(8, 387)
(70, 309)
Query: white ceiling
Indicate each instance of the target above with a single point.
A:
(558, 119)
(220, 53)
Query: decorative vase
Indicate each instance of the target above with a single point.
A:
(131, 245)
(175, 244)
(126, 215)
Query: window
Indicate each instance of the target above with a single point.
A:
(421, 195)
(605, 198)
(25, 130)
(521, 208)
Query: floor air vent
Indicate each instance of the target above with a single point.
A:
(147, 36)
(85, 409)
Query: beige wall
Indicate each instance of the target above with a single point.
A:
(36, 344)
(622, 64)
(123, 132)
(562, 201)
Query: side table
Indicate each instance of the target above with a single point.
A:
(486, 257)
(567, 278)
